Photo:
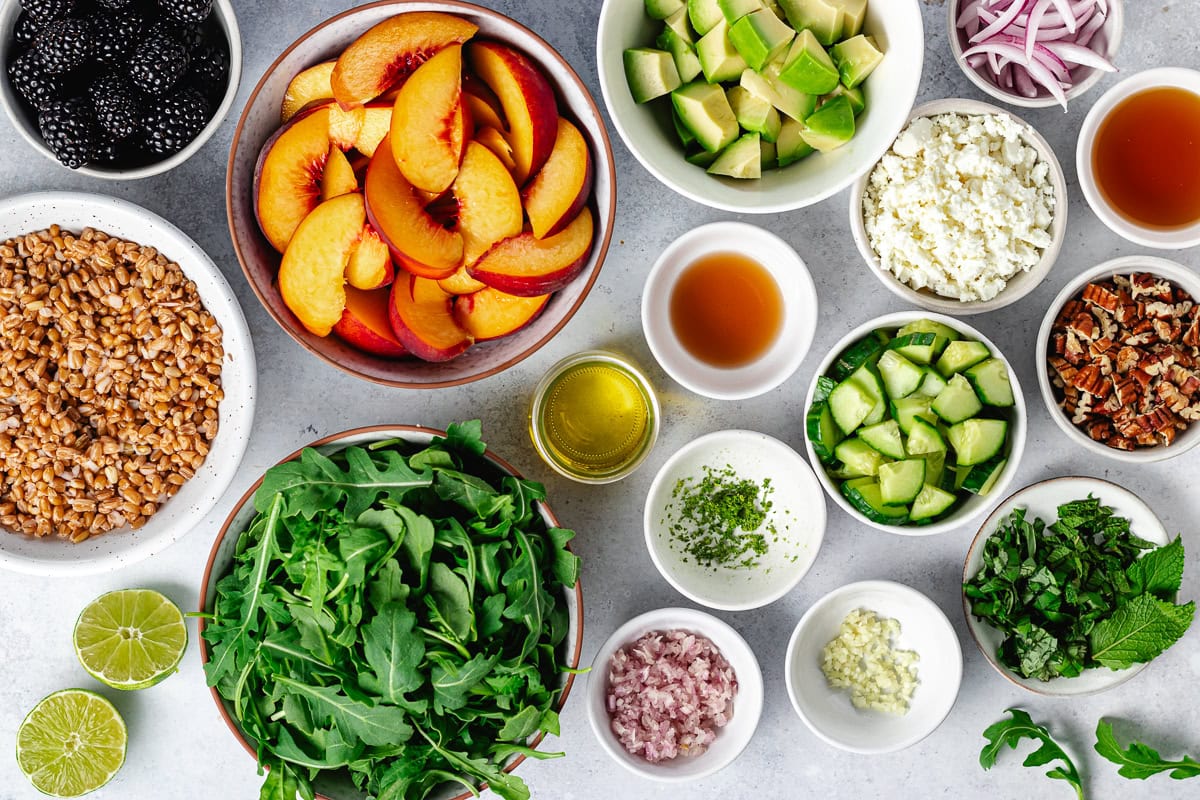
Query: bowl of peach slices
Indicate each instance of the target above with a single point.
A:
(421, 193)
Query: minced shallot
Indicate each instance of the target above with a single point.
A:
(668, 692)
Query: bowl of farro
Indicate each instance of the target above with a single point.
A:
(127, 383)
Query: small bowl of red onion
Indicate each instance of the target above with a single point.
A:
(1035, 53)
(675, 695)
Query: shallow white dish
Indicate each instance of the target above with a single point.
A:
(1178, 274)
(1159, 238)
(747, 705)
(1042, 500)
(1020, 284)
(75, 211)
(650, 135)
(799, 311)
(829, 713)
(797, 513)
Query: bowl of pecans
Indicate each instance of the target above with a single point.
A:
(127, 383)
(1121, 344)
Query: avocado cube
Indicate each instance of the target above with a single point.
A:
(687, 63)
(753, 113)
(701, 158)
(704, 15)
(661, 9)
(807, 67)
(768, 159)
(790, 147)
(858, 100)
(769, 87)
(830, 126)
(774, 8)
(681, 130)
(704, 110)
(736, 9)
(760, 37)
(822, 17)
(854, 13)
(742, 159)
(678, 24)
(856, 58)
(650, 73)
(719, 59)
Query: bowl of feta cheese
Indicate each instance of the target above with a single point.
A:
(965, 213)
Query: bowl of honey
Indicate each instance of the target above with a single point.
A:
(729, 310)
(1138, 158)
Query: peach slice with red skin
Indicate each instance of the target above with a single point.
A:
(427, 132)
(528, 266)
(287, 177)
(560, 189)
(485, 106)
(491, 313)
(494, 140)
(338, 178)
(461, 282)
(313, 269)
(370, 265)
(307, 86)
(422, 317)
(489, 206)
(365, 325)
(527, 99)
(389, 52)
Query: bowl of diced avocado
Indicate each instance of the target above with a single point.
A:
(917, 422)
(759, 106)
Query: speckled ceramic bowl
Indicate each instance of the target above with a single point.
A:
(179, 515)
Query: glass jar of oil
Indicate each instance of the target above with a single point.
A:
(594, 417)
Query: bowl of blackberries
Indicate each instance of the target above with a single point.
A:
(118, 88)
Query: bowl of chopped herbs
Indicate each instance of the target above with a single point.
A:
(1071, 587)
(392, 612)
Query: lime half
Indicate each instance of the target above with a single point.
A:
(71, 743)
(130, 639)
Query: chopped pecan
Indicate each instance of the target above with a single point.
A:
(1083, 325)
(1127, 359)
(1121, 443)
(1100, 294)
(1171, 396)
(1089, 380)
(1141, 376)
(1191, 336)
(1101, 346)
(1168, 330)
(1143, 283)
(1074, 350)
(1125, 391)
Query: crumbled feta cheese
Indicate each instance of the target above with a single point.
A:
(862, 660)
(959, 205)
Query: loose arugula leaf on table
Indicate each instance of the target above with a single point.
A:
(1140, 761)
(1010, 732)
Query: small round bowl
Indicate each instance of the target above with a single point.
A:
(1158, 238)
(260, 262)
(1106, 42)
(799, 311)
(976, 504)
(650, 135)
(1184, 278)
(220, 561)
(1041, 500)
(829, 713)
(1019, 285)
(731, 739)
(797, 512)
(75, 211)
(26, 123)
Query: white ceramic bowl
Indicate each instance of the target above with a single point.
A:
(119, 548)
(26, 123)
(1178, 274)
(797, 513)
(1042, 500)
(731, 739)
(1106, 42)
(799, 310)
(829, 713)
(650, 135)
(1160, 238)
(1019, 285)
(975, 504)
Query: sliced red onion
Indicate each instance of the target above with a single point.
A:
(1082, 56)
(1035, 21)
(1088, 31)
(1003, 21)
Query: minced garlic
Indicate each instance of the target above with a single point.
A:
(863, 660)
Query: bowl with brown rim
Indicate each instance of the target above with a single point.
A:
(221, 559)
(260, 261)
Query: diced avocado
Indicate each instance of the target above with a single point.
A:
(760, 37)
(830, 126)
(754, 114)
(854, 13)
(686, 137)
(856, 58)
(858, 100)
(742, 159)
(774, 7)
(769, 157)
(807, 67)
(823, 17)
(687, 63)
(790, 147)
(733, 10)
(651, 73)
(703, 109)
(701, 158)
(719, 59)
(679, 25)
(787, 100)
(704, 15)
(661, 9)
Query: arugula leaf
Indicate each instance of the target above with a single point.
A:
(1140, 761)
(1139, 631)
(281, 784)
(394, 650)
(360, 547)
(316, 483)
(1010, 732)
(374, 725)
(453, 601)
(453, 678)
(466, 437)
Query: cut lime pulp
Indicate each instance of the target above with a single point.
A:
(71, 743)
(130, 639)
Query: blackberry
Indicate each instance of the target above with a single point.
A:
(114, 5)
(186, 10)
(190, 36)
(114, 34)
(70, 131)
(46, 10)
(116, 104)
(170, 123)
(38, 88)
(209, 71)
(63, 45)
(27, 28)
(157, 64)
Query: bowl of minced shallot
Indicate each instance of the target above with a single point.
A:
(675, 695)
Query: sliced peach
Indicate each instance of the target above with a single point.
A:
(527, 99)
(370, 265)
(528, 266)
(365, 325)
(309, 85)
(494, 140)
(288, 175)
(338, 177)
(559, 190)
(426, 141)
(422, 318)
(389, 52)
(418, 243)
(461, 282)
(377, 120)
(491, 313)
(313, 270)
(344, 126)
(485, 106)
(489, 206)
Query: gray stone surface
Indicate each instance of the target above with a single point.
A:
(180, 748)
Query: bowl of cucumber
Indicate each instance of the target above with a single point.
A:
(917, 423)
(759, 106)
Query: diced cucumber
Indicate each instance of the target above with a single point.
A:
(850, 404)
(807, 67)
(736, 9)
(857, 354)
(908, 409)
(858, 100)
(742, 159)
(884, 437)
(704, 110)
(858, 458)
(854, 13)
(661, 9)
(935, 467)
(760, 37)
(856, 58)
(944, 334)
(650, 73)
(753, 113)
(867, 499)
(960, 355)
(719, 59)
(901, 377)
(916, 347)
(790, 147)
(932, 384)
(822, 431)
(961, 471)
(982, 477)
(925, 438)
(678, 24)
(976, 440)
(823, 388)
(687, 63)
(957, 401)
(930, 503)
(823, 17)
(704, 15)
(868, 378)
(991, 382)
(901, 481)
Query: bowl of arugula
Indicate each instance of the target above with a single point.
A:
(1070, 586)
(392, 612)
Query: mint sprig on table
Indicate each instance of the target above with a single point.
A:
(1078, 593)
(1010, 732)
(394, 613)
